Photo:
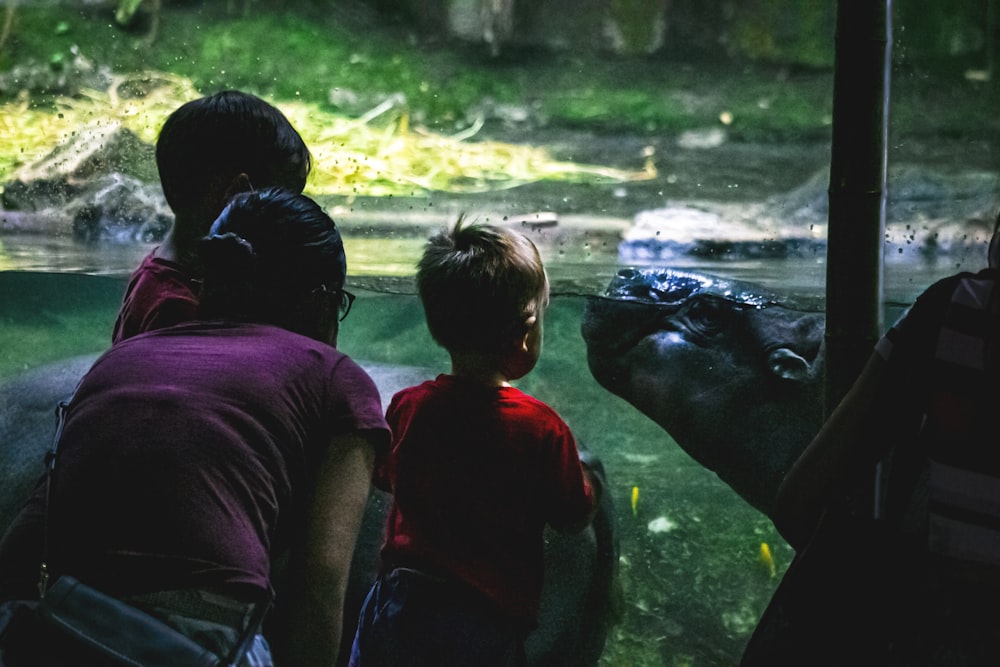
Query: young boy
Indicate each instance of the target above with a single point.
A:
(208, 150)
(477, 468)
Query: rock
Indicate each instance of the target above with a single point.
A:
(122, 209)
(51, 221)
(64, 75)
(714, 230)
(112, 207)
(928, 215)
(96, 149)
(100, 185)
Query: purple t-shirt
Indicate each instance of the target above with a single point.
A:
(188, 452)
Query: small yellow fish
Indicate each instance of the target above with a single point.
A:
(635, 501)
(766, 559)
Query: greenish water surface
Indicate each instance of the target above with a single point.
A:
(691, 573)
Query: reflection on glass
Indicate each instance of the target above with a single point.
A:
(689, 136)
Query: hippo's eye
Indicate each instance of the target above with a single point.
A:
(704, 317)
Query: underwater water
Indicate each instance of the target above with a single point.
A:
(698, 565)
(691, 573)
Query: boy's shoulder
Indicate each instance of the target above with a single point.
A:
(160, 293)
(162, 275)
(449, 389)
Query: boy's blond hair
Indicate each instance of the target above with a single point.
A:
(479, 284)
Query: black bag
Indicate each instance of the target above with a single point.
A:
(75, 624)
(105, 626)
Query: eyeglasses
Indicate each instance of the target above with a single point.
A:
(346, 301)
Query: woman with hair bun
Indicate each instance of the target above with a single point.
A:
(193, 457)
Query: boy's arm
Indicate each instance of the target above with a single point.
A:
(578, 491)
(593, 469)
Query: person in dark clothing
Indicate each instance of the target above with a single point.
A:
(208, 150)
(924, 405)
(193, 457)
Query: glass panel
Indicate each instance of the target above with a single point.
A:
(692, 136)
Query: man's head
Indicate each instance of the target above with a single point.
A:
(274, 256)
(215, 146)
(481, 287)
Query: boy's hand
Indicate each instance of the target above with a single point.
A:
(593, 468)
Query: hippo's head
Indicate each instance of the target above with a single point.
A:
(731, 374)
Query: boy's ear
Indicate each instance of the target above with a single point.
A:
(240, 183)
(529, 324)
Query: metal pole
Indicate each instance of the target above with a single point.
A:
(857, 190)
(992, 40)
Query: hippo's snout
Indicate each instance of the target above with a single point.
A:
(686, 348)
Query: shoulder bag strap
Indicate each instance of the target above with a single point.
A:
(252, 628)
(50, 466)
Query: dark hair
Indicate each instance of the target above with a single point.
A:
(478, 285)
(213, 139)
(265, 251)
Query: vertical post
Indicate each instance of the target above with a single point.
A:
(857, 191)
(993, 40)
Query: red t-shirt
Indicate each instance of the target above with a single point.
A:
(476, 473)
(160, 294)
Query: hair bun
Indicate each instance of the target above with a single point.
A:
(227, 252)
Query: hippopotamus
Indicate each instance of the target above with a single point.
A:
(576, 611)
(732, 373)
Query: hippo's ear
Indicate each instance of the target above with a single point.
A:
(788, 365)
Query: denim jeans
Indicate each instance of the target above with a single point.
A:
(411, 619)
